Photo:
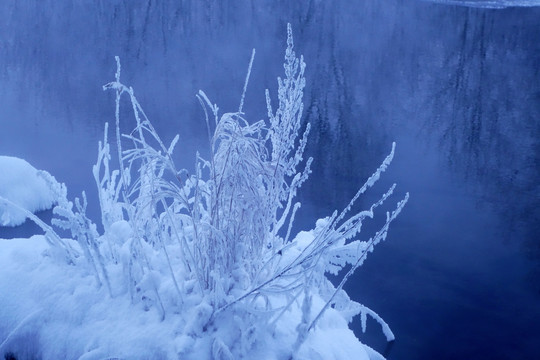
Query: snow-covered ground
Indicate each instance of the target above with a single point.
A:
(50, 311)
(23, 185)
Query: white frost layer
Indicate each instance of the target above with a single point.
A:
(490, 4)
(21, 184)
(51, 310)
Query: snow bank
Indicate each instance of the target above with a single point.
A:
(50, 313)
(21, 184)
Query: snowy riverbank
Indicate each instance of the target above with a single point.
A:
(56, 312)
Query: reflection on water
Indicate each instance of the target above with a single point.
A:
(457, 88)
(492, 97)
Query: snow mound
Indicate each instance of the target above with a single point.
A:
(61, 314)
(21, 184)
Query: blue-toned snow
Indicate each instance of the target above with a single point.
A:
(21, 184)
(55, 312)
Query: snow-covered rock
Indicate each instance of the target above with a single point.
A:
(21, 184)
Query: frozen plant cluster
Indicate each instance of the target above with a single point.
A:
(200, 265)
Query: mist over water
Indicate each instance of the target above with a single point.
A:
(458, 89)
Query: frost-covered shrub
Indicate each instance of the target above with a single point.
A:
(212, 251)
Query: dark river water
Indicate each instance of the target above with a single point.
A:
(457, 88)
